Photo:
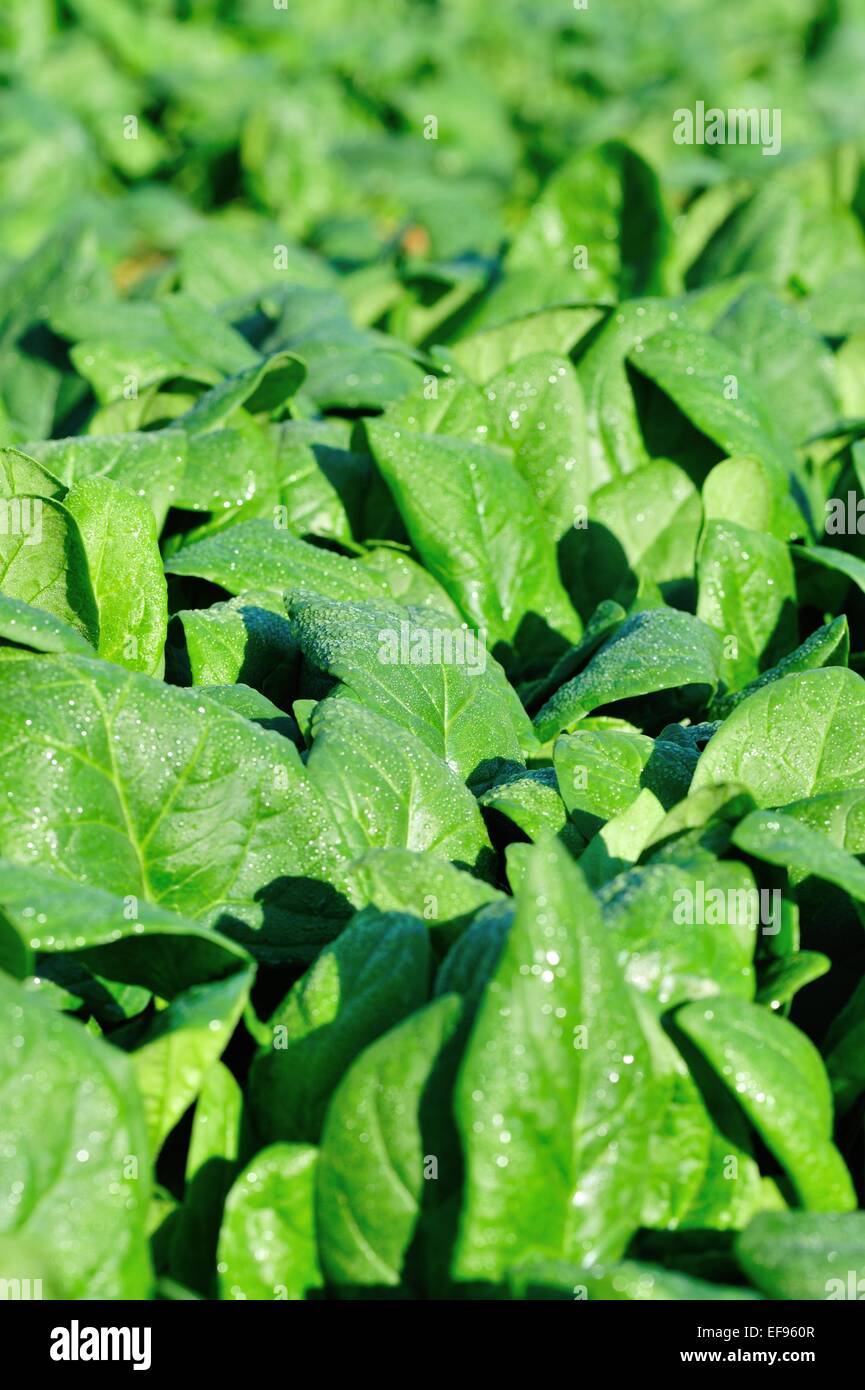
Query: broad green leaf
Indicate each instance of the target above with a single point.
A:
(537, 409)
(644, 523)
(262, 386)
(222, 263)
(24, 476)
(43, 562)
(557, 330)
(230, 473)
(385, 789)
(829, 558)
(656, 650)
(789, 365)
(421, 670)
(711, 386)
(759, 236)
(376, 1153)
(747, 593)
(255, 707)
(607, 202)
(601, 772)
(409, 583)
(838, 815)
(680, 1142)
(124, 939)
(531, 800)
(556, 1065)
(150, 464)
(477, 527)
(354, 374)
(710, 808)
(827, 646)
(149, 343)
(25, 629)
(777, 1076)
(795, 737)
(173, 1054)
(321, 482)
(745, 490)
(616, 444)
(375, 974)
(256, 555)
(267, 1245)
(248, 639)
(805, 1255)
(684, 933)
(159, 772)
(448, 405)
(398, 880)
(732, 1190)
(782, 977)
(784, 840)
(118, 533)
(75, 1170)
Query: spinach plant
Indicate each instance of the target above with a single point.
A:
(432, 640)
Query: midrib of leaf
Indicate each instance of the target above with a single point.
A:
(115, 777)
(825, 739)
(408, 1198)
(392, 1275)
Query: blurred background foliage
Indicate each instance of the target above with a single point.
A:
(304, 127)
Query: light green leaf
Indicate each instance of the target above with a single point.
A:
(43, 563)
(421, 670)
(537, 409)
(796, 737)
(118, 533)
(375, 974)
(532, 802)
(710, 385)
(782, 839)
(805, 1255)
(134, 942)
(684, 933)
(75, 1171)
(398, 880)
(377, 1139)
(150, 463)
(267, 1245)
(272, 868)
(385, 789)
(747, 593)
(172, 1056)
(656, 650)
(777, 1076)
(745, 490)
(477, 527)
(248, 639)
(256, 555)
(556, 1065)
(24, 629)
